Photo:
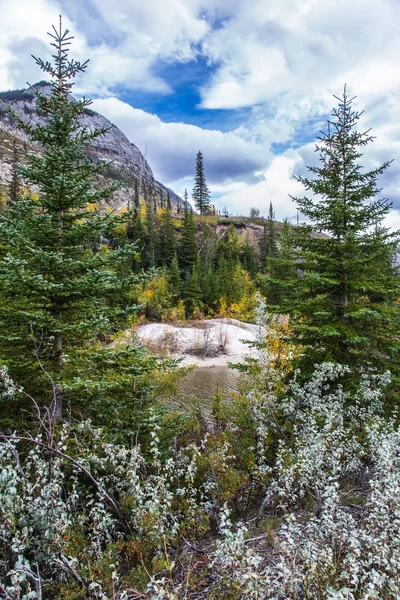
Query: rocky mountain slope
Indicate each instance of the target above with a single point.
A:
(127, 162)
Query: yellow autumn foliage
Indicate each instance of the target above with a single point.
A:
(155, 293)
(280, 347)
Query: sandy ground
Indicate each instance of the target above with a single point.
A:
(215, 342)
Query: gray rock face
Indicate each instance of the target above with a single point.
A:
(127, 162)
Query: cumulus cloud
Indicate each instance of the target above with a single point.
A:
(275, 186)
(23, 32)
(171, 148)
(302, 47)
(123, 43)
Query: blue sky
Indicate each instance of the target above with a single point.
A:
(248, 82)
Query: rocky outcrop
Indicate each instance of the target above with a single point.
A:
(213, 342)
(127, 162)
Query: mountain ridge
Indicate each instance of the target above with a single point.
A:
(125, 161)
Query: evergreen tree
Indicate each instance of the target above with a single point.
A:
(348, 283)
(201, 193)
(228, 265)
(153, 196)
(188, 246)
(248, 259)
(228, 246)
(209, 245)
(137, 234)
(133, 212)
(15, 188)
(149, 253)
(268, 245)
(166, 239)
(209, 286)
(174, 279)
(279, 283)
(136, 197)
(59, 290)
(193, 290)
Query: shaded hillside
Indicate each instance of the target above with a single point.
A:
(128, 164)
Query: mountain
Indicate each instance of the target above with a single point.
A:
(127, 162)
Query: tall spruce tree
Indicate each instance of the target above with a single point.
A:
(149, 253)
(193, 289)
(187, 245)
(279, 281)
(248, 258)
(136, 196)
(348, 282)
(174, 279)
(228, 266)
(268, 245)
(201, 193)
(15, 187)
(60, 290)
(166, 245)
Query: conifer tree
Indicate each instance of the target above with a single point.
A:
(188, 246)
(201, 193)
(348, 283)
(174, 279)
(209, 245)
(166, 239)
(248, 258)
(279, 283)
(193, 290)
(133, 212)
(15, 187)
(59, 290)
(150, 246)
(136, 197)
(227, 264)
(268, 245)
(209, 286)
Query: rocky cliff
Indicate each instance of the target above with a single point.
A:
(127, 162)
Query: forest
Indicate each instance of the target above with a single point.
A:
(290, 490)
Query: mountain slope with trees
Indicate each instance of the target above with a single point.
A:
(125, 162)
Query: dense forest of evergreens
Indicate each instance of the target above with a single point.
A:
(291, 490)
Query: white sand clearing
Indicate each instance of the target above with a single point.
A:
(212, 343)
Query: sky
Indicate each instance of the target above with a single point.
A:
(250, 83)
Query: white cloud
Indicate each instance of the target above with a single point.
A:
(23, 32)
(302, 47)
(123, 43)
(171, 148)
(275, 186)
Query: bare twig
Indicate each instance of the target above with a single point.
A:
(35, 577)
(264, 504)
(66, 566)
(194, 548)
